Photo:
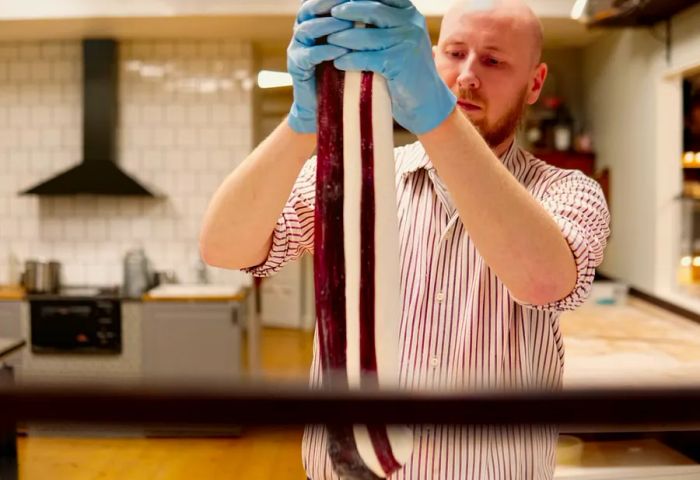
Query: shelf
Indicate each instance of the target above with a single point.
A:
(645, 15)
(690, 198)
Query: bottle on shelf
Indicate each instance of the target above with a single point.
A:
(563, 130)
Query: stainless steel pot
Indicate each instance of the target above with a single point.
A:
(42, 277)
(137, 277)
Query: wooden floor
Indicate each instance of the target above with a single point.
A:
(257, 455)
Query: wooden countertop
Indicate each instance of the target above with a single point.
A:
(12, 292)
(197, 293)
(629, 459)
(634, 345)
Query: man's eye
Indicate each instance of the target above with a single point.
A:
(494, 62)
(455, 54)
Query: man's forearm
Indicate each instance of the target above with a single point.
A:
(238, 225)
(515, 235)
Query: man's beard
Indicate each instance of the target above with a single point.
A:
(497, 133)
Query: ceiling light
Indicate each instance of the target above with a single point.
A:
(270, 79)
(482, 5)
(578, 12)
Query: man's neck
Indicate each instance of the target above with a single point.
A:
(503, 147)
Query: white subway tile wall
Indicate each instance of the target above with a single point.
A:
(185, 122)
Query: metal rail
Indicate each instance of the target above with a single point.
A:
(611, 410)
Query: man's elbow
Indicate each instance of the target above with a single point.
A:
(546, 291)
(230, 255)
(546, 295)
(215, 254)
(550, 285)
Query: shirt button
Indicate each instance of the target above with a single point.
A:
(434, 362)
(440, 297)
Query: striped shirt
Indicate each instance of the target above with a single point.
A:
(460, 327)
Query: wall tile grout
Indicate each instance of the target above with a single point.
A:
(185, 113)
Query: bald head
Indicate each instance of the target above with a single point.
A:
(515, 16)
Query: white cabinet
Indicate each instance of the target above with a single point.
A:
(191, 342)
(11, 326)
(10, 319)
(287, 297)
(188, 344)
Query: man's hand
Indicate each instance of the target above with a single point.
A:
(400, 50)
(303, 55)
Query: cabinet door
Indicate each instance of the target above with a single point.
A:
(10, 319)
(11, 327)
(191, 342)
(282, 298)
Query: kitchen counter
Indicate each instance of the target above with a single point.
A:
(12, 292)
(165, 293)
(629, 459)
(633, 345)
(197, 293)
(210, 295)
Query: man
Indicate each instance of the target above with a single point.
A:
(494, 243)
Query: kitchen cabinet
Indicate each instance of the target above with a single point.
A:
(85, 369)
(287, 297)
(10, 319)
(281, 298)
(8, 428)
(11, 324)
(185, 342)
(189, 343)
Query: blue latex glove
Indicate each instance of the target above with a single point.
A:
(303, 55)
(400, 50)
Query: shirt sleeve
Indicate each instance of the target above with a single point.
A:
(294, 231)
(578, 206)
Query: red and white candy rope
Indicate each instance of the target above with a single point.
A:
(356, 262)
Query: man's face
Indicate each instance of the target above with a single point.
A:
(490, 60)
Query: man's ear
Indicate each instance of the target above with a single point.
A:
(537, 83)
(434, 51)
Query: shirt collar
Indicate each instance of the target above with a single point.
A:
(421, 161)
(416, 162)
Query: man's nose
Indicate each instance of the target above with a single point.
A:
(468, 77)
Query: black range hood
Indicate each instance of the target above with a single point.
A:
(98, 173)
